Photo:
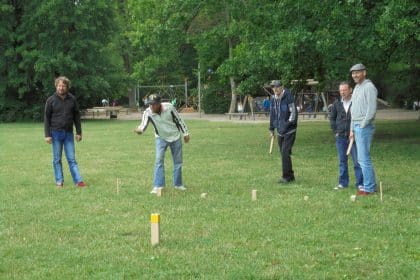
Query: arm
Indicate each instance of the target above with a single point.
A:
(144, 122)
(333, 117)
(180, 124)
(271, 127)
(372, 94)
(47, 121)
(77, 122)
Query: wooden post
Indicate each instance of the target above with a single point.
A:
(271, 144)
(204, 195)
(254, 195)
(155, 228)
(353, 198)
(380, 191)
(118, 185)
(306, 198)
(159, 192)
(350, 146)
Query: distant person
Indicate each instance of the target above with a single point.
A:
(114, 103)
(283, 119)
(266, 104)
(105, 103)
(169, 131)
(363, 112)
(340, 120)
(61, 112)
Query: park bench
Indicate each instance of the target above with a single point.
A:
(239, 115)
(313, 114)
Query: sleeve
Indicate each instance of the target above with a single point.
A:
(272, 104)
(47, 118)
(76, 118)
(372, 94)
(144, 120)
(292, 108)
(333, 117)
(180, 124)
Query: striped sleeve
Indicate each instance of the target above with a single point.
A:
(180, 124)
(145, 120)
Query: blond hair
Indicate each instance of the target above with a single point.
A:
(64, 79)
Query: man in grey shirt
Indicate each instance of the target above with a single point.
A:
(363, 112)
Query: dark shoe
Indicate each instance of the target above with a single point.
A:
(81, 184)
(285, 181)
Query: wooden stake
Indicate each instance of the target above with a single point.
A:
(254, 195)
(353, 198)
(306, 198)
(118, 185)
(159, 192)
(204, 195)
(155, 228)
(271, 144)
(350, 145)
(380, 191)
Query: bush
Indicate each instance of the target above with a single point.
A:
(215, 100)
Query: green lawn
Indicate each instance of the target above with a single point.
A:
(95, 233)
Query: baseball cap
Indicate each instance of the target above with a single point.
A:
(275, 83)
(153, 99)
(357, 67)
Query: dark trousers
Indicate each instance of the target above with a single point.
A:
(285, 144)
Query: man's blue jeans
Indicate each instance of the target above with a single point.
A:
(64, 139)
(342, 143)
(159, 173)
(363, 138)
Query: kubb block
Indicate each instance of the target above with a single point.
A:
(155, 228)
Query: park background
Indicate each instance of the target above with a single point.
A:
(107, 48)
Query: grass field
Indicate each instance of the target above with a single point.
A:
(95, 233)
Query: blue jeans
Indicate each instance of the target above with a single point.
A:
(159, 172)
(363, 138)
(342, 143)
(64, 139)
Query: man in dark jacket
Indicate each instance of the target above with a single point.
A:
(283, 118)
(340, 119)
(61, 112)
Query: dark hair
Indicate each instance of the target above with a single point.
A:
(345, 83)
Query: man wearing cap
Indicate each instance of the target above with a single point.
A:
(283, 118)
(169, 129)
(340, 119)
(363, 112)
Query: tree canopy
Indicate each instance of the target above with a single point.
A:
(107, 47)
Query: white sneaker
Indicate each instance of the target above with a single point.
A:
(155, 190)
(339, 187)
(360, 188)
(180, 188)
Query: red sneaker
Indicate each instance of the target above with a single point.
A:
(81, 184)
(363, 193)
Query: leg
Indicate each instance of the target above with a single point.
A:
(57, 147)
(159, 172)
(285, 143)
(342, 142)
(71, 158)
(176, 150)
(357, 170)
(363, 141)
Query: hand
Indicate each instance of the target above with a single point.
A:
(138, 131)
(78, 137)
(186, 139)
(271, 133)
(48, 140)
(351, 135)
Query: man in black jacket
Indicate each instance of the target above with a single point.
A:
(61, 112)
(340, 119)
(283, 118)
